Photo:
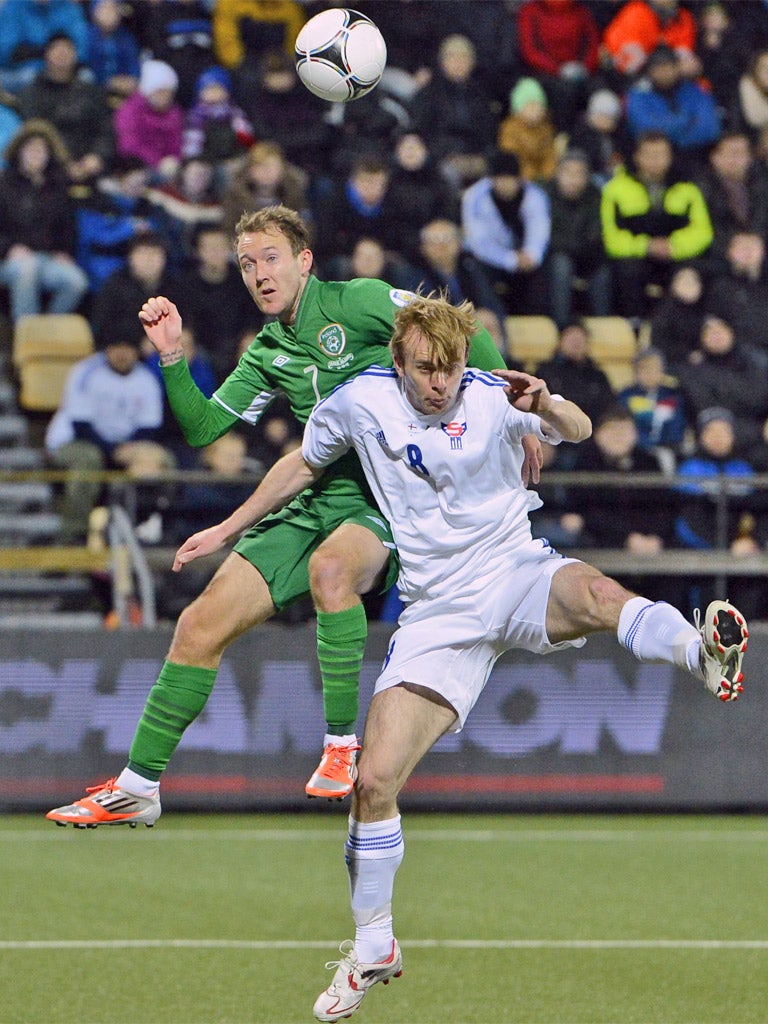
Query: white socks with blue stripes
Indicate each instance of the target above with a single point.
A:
(656, 631)
(373, 853)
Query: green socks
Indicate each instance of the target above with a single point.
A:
(174, 702)
(181, 691)
(340, 648)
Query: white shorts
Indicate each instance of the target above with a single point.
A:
(450, 644)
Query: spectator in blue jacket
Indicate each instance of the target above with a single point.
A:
(507, 224)
(117, 210)
(113, 50)
(25, 28)
(668, 103)
(702, 525)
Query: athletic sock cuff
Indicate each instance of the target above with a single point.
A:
(377, 840)
(337, 629)
(188, 677)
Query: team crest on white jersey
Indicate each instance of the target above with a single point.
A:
(455, 431)
(401, 297)
(332, 340)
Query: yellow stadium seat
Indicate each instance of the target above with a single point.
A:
(613, 345)
(532, 339)
(45, 347)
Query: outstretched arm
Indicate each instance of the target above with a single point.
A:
(531, 394)
(289, 475)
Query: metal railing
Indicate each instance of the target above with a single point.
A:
(130, 560)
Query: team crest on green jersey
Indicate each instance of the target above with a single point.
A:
(332, 340)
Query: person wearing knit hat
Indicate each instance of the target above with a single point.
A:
(217, 81)
(604, 103)
(528, 130)
(215, 128)
(702, 523)
(526, 91)
(157, 76)
(150, 123)
(712, 413)
(600, 131)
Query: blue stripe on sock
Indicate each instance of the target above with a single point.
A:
(389, 841)
(634, 628)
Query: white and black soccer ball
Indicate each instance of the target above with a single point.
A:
(340, 55)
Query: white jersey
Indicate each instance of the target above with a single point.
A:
(449, 483)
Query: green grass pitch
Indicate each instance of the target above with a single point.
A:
(503, 919)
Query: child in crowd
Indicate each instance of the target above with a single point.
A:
(600, 133)
(528, 131)
(656, 404)
(149, 124)
(215, 127)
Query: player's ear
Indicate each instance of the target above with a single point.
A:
(306, 260)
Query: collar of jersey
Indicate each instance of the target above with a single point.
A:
(309, 287)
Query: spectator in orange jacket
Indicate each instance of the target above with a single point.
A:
(641, 25)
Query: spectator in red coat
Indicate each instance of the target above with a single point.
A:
(558, 42)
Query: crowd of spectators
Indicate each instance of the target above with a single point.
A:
(556, 157)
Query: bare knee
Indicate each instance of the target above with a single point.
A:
(192, 642)
(375, 795)
(331, 579)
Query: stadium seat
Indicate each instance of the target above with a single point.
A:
(532, 339)
(613, 345)
(45, 346)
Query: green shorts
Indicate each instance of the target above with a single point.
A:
(281, 544)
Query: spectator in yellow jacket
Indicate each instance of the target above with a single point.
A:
(652, 220)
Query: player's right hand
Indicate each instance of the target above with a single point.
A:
(161, 321)
(199, 544)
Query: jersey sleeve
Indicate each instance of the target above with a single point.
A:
(483, 352)
(328, 433)
(202, 420)
(518, 424)
(246, 394)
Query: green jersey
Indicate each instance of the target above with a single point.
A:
(341, 328)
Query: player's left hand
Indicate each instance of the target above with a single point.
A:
(524, 391)
(533, 459)
(199, 544)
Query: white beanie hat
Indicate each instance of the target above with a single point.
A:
(604, 102)
(156, 74)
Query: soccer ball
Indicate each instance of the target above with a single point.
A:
(340, 55)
